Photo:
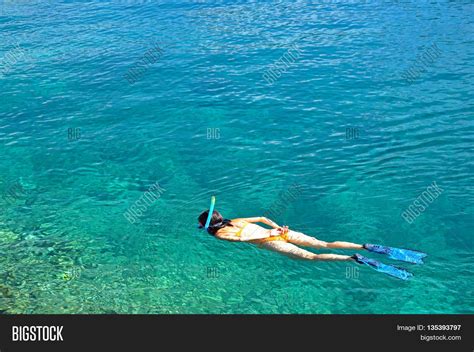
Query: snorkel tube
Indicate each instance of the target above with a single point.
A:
(211, 210)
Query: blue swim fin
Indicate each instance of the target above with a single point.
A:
(406, 255)
(383, 268)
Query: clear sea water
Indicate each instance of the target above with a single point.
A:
(341, 122)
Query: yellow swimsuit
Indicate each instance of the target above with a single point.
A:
(283, 237)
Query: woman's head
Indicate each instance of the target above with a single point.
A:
(217, 221)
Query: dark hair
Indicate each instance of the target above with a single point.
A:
(217, 221)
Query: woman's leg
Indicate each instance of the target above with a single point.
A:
(303, 240)
(293, 251)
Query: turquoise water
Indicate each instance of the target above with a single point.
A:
(80, 145)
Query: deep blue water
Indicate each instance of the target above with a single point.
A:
(80, 144)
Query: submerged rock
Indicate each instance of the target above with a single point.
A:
(5, 292)
(8, 237)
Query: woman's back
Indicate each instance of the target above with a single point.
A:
(240, 229)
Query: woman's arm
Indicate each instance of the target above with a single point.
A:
(256, 235)
(263, 220)
(228, 237)
(244, 237)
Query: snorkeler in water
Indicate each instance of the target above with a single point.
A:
(283, 240)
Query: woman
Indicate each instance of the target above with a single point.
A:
(279, 238)
(283, 240)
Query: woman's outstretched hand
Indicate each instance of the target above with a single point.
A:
(283, 229)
